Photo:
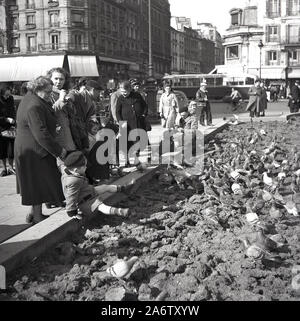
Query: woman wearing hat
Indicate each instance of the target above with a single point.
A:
(36, 150)
(168, 107)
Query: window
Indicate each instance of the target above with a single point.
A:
(54, 41)
(31, 43)
(78, 41)
(273, 8)
(233, 52)
(294, 34)
(273, 57)
(30, 4)
(293, 8)
(293, 57)
(15, 43)
(15, 22)
(30, 19)
(54, 20)
(77, 17)
(273, 33)
(235, 19)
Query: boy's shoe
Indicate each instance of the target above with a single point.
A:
(141, 167)
(29, 218)
(38, 218)
(127, 188)
(11, 171)
(3, 173)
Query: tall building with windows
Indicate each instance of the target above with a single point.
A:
(210, 32)
(282, 37)
(274, 23)
(190, 52)
(106, 38)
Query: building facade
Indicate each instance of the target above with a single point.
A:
(191, 53)
(177, 52)
(282, 37)
(241, 39)
(112, 35)
(275, 25)
(210, 32)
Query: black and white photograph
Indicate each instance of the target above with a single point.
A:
(149, 154)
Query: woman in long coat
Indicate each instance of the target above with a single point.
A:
(36, 149)
(255, 96)
(168, 107)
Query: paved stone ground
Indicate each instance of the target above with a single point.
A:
(13, 214)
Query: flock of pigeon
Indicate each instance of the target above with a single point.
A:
(256, 170)
(250, 171)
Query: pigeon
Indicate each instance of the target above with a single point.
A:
(267, 180)
(265, 242)
(237, 189)
(122, 267)
(291, 208)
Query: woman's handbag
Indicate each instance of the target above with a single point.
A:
(9, 133)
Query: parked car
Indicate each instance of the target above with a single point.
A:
(182, 100)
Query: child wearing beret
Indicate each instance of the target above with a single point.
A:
(80, 195)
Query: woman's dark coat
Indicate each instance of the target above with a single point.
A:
(38, 178)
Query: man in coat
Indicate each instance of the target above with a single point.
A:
(295, 101)
(255, 96)
(204, 104)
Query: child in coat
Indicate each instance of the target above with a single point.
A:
(80, 195)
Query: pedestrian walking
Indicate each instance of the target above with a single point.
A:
(204, 105)
(295, 98)
(235, 98)
(7, 131)
(264, 100)
(36, 150)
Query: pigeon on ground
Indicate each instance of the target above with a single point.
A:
(122, 267)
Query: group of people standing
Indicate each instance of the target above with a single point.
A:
(170, 114)
(54, 129)
(7, 131)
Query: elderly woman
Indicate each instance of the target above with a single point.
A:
(168, 107)
(36, 150)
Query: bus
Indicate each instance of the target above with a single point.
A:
(219, 86)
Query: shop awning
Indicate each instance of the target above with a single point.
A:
(294, 73)
(116, 61)
(27, 68)
(83, 66)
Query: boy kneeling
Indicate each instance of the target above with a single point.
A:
(81, 195)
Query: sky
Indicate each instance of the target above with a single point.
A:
(213, 11)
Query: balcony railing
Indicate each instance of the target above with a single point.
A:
(13, 8)
(53, 3)
(30, 6)
(31, 49)
(54, 24)
(273, 39)
(30, 25)
(293, 40)
(15, 49)
(293, 12)
(77, 24)
(273, 14)
(65, 46)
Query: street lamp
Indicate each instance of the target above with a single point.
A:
(150, 40)
(260, 46)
